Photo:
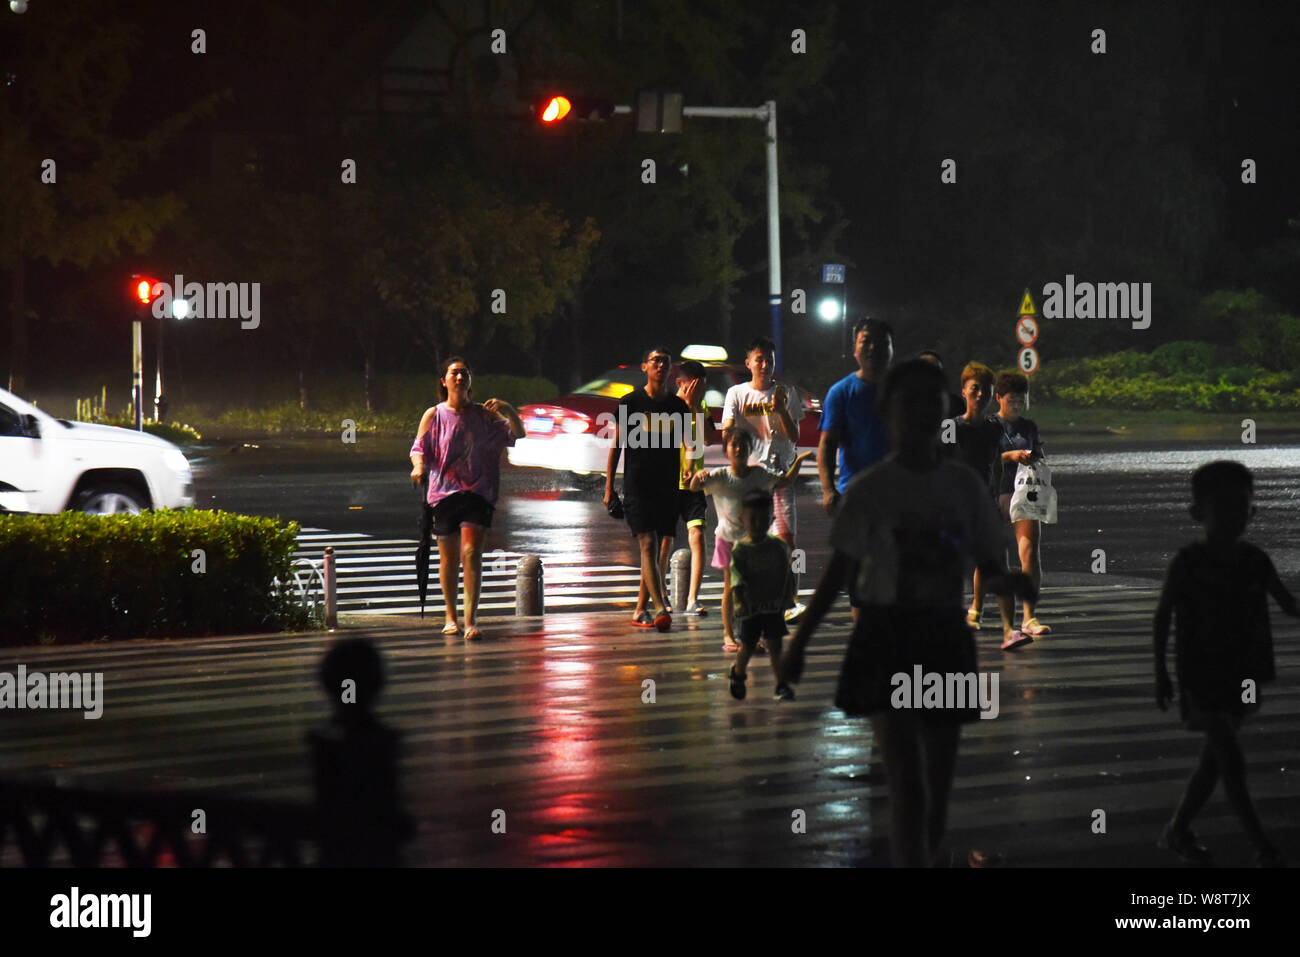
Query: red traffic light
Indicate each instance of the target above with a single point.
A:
(559, 110)
(142, 287)
(555, 109)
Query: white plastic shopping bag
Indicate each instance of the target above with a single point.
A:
(1034, 496)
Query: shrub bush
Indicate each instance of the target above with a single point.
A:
(72, 577)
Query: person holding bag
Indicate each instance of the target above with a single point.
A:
(1020, 444)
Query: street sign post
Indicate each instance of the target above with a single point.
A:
(1027, 335)
(1028, 360)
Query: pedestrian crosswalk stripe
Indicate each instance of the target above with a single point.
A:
(376, 576)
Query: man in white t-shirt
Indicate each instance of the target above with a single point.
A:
(770, 413)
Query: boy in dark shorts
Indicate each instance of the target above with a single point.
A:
(762, 588)
(729, 487)
(1219, 591)
(1020, 444)
(650, 424)
(977, 444)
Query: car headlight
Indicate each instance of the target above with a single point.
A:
(175, 460)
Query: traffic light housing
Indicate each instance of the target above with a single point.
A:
(555, 109)
(142, 289)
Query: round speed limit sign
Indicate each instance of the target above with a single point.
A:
(1028, 360)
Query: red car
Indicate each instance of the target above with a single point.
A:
(561, 434)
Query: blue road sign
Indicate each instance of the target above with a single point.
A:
(833, 272)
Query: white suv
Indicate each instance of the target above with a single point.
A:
(49, 464)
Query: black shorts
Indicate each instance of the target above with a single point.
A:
(770, 625)
(457, 509)
(887, 641)
(658, 514)
(692, 507)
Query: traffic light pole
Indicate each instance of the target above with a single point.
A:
(158, 370)
(766, 113)
(137, 373)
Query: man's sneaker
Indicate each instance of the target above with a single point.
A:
(1014, 639)
(696, 609)
(663, 621)
(1184, 844)
(783, 693)
(736, 683)
(644, 620)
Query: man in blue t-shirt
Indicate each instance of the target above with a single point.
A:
(851, 425)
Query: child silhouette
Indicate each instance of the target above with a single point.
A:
(354, 761)
(901, 537)
(1218, 589)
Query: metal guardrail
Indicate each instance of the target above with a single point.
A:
(153, 830)
(323, 574)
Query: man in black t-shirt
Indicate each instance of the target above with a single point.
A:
(651, 424)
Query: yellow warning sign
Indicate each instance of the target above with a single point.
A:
(1027, 305)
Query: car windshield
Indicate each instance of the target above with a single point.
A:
(613, 384)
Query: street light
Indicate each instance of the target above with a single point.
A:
(829, 309)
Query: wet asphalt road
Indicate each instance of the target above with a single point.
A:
(1130, 503)
(547, 721)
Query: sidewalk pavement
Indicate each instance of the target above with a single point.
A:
(549, 725)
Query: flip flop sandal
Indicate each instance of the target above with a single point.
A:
(644, 620)
(973, 620)
(1015, 640)
(451, 628)
(1035, 628)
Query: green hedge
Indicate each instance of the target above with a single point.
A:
(401, 400)
(73, 577)
(1187, 376)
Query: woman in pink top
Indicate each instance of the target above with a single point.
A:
(459, 444)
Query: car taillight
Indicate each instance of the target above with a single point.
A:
(575, 423)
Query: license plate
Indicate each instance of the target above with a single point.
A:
(535, 423)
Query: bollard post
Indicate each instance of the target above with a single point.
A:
(529, 598)
(330, 581)
(680, 565)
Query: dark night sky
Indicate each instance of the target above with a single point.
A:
(1123, 166)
